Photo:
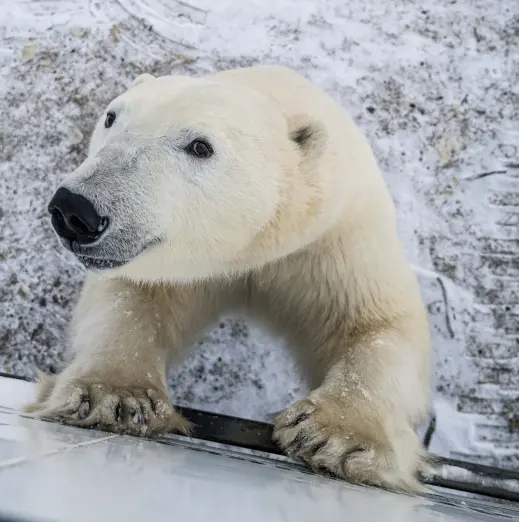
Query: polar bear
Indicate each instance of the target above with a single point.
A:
(246, 190)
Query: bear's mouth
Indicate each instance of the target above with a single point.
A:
(99, 264)
(104, 262)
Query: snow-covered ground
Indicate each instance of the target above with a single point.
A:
(435, 86)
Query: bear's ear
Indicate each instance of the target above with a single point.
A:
(309, 135)
(141, 79)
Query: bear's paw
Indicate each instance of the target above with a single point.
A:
(140, 411)
(337, 437)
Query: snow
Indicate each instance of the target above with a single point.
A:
(433, 86)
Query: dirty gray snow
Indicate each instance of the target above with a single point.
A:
(435, 88)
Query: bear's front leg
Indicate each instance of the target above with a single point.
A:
(122, 336)
(359, 423)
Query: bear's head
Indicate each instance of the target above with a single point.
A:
(189, 178)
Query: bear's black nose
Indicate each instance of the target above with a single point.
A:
(75, 218)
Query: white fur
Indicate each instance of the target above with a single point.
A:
(301, 235)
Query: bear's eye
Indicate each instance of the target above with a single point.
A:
(199, 148)
(110, 119)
